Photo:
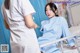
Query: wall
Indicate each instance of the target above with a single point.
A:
(39, 6)
(75, 13)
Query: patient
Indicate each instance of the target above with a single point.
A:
(53, 29)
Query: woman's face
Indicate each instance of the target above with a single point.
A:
(49, 12)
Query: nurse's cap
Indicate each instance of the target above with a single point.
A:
(56, 5)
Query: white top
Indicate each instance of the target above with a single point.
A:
(20, 7)
(22, 36)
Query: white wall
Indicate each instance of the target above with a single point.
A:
(75, 13)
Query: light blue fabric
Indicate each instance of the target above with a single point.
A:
(53, 29)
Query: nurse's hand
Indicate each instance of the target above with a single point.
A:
(36, 26)
(73, 47)
(6, 25)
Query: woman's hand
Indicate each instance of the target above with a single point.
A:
(36, 26)
(6, 25)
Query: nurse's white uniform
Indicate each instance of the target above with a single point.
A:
(23, 39)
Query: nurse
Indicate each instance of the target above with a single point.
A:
(53, 29)
(18, 17)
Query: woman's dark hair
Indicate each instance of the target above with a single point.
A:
(7, 4)
(53, 8)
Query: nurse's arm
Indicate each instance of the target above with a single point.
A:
(6, 24)
(3, 13)
(29, 21)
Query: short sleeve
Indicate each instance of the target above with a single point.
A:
(27, 8)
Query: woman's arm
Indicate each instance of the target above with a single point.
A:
(27, 10)
(66, 32)
(29, 21)
(5, 17)
(6, 24)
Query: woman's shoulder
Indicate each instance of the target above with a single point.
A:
(43, 22)
(62, 18)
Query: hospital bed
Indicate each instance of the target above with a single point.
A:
(75, 33)
(74, 15)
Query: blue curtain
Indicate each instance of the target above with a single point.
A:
(4, 33)
(39, 6)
